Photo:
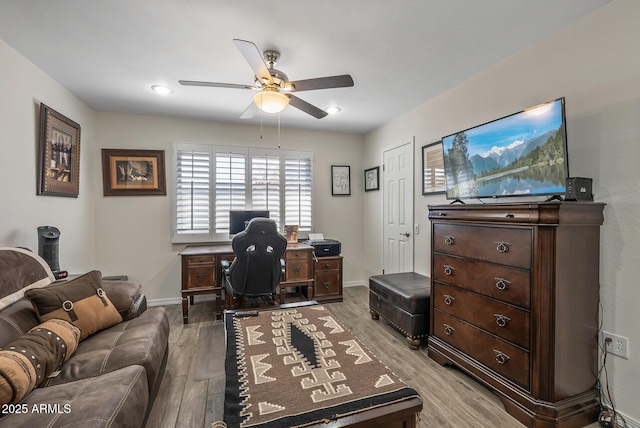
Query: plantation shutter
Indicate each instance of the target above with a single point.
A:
(230, 187)
(265, 185)
(298, 192)
(211, 180)
(192, 192)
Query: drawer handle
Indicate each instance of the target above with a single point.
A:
(509, 215)
(448, 270)
(327, 284)
(502, 246)
(501, 357)
(449, 299)
(449, 240)
(448, 330)
(502, 284)
(327, 266)
(202, 277)
(501, 320)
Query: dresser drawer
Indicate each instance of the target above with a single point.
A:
(199, 277)
(500, 282)
(327, 282)
(507, 246)
(502, 357)
(199, 260)
(453, 331)
(328, 264)
(297, 270)
(503, 320)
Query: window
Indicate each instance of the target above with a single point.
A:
(212, 180)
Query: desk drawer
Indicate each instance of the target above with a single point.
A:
(506, 246)
(327, 283)
(296, 255)
(297, 270)
(199, 277)
(199, 260)
(328, 264)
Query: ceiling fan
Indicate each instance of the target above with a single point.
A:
(273, 85)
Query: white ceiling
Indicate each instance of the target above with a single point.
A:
(400, 53)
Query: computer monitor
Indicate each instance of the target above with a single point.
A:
(238, 220)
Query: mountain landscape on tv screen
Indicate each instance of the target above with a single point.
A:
(500, 158)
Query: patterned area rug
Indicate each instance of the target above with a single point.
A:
(298, 366)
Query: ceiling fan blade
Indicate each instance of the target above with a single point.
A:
(306, 107)
(215, 84)
(254, 58)
(250, 111)
(342, 81)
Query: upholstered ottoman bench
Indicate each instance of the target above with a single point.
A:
(403, 300)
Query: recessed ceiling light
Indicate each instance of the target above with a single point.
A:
(162, 90)
(333, 109)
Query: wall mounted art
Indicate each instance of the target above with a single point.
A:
(59, 155)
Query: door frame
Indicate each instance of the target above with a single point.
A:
(412, 142)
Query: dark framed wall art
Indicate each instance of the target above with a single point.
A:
(59, 154)
(372, 179)
(340, 180)
(128, 172)
(433, 169)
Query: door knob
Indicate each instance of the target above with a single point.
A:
(406, 234)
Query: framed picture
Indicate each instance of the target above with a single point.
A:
(291, 233)
(433, 169)
(59, 155)
(340, 180)
(133, 172)
(371, 179)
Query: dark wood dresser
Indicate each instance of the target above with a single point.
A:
(514, 303)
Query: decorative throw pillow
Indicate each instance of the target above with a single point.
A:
(81, 301)
(27, 361)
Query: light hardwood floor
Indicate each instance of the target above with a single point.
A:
(192, 392)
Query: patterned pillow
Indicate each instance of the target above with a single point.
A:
(27, 361)
(81, 301)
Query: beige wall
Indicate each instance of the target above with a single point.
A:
(595, 65)
(22, 88)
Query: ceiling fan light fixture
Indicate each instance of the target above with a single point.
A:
(333, 110)
(161, 89)
(271, 101)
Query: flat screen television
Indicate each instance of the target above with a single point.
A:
(523, 154)
(238, 220)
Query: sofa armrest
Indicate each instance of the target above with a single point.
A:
(127, 297)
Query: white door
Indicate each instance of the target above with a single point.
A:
(398, 209)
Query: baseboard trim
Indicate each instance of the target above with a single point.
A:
(203, 298)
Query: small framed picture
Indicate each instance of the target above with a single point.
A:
(340, 180)
(59, 155)
(433, 169)
(371, 179)
(133, 172)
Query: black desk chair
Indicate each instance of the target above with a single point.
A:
(258, 266)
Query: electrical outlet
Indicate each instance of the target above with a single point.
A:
(618, 345)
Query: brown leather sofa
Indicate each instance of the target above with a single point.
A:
(111, 379)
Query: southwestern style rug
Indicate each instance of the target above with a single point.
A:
(298, 366)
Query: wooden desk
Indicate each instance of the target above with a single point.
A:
(202, 272)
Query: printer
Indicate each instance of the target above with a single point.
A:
(324, 247)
